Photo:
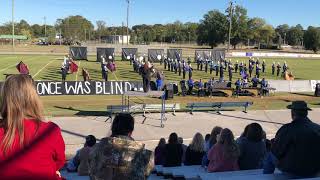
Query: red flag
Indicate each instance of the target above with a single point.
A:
(22, 68)
(73, 67)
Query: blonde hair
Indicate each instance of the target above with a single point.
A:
(197, 143)
(19, 100)
(230, 148)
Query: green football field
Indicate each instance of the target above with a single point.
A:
(47, 68)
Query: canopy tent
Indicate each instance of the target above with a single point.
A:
(107, 53)
(78, 53)
(155, 55)
(174, 54)
(129, 53)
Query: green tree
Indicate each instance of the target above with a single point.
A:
(75, 27)
(295, 35)
(312, 38)
(283, 30)
(239, 31)
(254, 29)
(213, 29)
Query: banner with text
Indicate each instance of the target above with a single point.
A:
(56, 88)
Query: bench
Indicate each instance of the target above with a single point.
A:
(115, 109)
(216, 106)
(148, 108)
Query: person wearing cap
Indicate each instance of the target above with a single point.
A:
(297, 144)
(278, 69)
(83, 169)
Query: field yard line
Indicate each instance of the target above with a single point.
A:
(10, 66)
(78, 70)
(115, 76)
(42, 69)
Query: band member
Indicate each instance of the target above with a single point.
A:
(258, 69)
(230, 68)
(241, 67)
(172, 65)
(176, 67)
(201, 64)
(198, 63)
(200, 88)
(179, 68)
(211, 66)
(190, 85)
(278, 69)
(236, 66)
(273, 67)
(221, 71)
(238, 85)
(210, 86)
(250, 69)
(217, 68)
(284, 68)
(64, 72)
(165, 63)
(190, 71)
(264, 87)
(104, 71)
(184, 70)
(206, 66)
(146, 76)
(85, 74)
(263, 66)
(169, 64)
(255, 81)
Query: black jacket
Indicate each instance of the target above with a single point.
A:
(173, 155)
(193, 157)
(297, 147)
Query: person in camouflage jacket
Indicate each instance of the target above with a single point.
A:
(119, 157)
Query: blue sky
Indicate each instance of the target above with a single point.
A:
(275, 12)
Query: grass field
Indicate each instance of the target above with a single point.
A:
(48, 68)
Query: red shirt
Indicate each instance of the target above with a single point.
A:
(40, 159)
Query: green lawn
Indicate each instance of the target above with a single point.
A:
(48, 68)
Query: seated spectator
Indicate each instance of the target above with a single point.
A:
(158, 152)
(297, 144)
(212, 141)
(223, 156)
(173, 152)
(84, 155)
(195, 151)
(244, 134)
(184, 148)
(269, 162)
(206, 139)
(120, 156)
(29, 147)
(252, 148)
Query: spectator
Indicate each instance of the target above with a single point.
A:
(120, 156)
(184, 148)
(173, 152)
(252, 148)
(84, 155)
(206, 139)
(224, 154)
(29, 147)
(158, 153)
(297, 144)
(212, 141)
(269, 163)
(195, 151)
(244, 134)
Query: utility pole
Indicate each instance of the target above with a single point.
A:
(128, 1)
(13, 25)
(230, 23)
(45, 26)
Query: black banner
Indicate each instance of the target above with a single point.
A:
(174, 54)
(126, 52)
(58, 88)
(218, 54)
(155, 55)
(204, 54)
(107, 53)
(78, 53)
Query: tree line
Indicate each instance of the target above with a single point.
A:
(212, 30)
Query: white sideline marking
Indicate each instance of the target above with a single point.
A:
(115, 76)
(78, 70)
(42, 69)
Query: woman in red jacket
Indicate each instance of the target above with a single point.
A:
(29, 147)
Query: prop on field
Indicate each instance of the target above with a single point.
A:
(111, 65)
(218, 54)
(85, 74)
(155, 55)
(22, 68)
(107, 53)
(175, 54)
(129, 52)
(73, 67)
(78, 53)
(288, 76)
(203, 54)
